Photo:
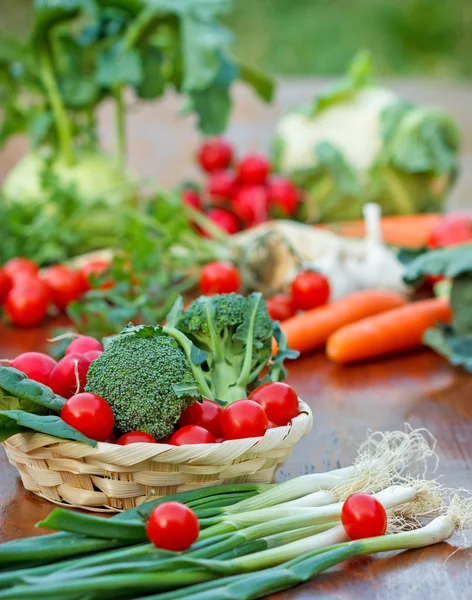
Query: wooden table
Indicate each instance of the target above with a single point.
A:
(419, 388)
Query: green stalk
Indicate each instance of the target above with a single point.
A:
(120, 127)
(247, 364)
(48, 78)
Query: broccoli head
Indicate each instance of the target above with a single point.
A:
(146, 379)
(235, 333)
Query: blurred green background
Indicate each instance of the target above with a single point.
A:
(319, 37)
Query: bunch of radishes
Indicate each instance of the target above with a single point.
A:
(27, 294)
(240, 194)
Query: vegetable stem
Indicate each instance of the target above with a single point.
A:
(120, 127)
(60, 114)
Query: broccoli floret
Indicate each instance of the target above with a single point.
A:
(236, 334)
(146, 378)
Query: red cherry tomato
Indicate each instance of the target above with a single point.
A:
(280, 307)
(95, 268)
(215, 154)
(172, 526)
(221, 185)
(35, 365)
(207, 414)
(309, 290)
(136, 437)
(451, 230)
(279, 401)
(272, 425)
(243, 419)
(6, 284)
(64, 283)
(69, 376)
(83, 344)
(363, 516)
(191, 434)
(226, 220)
(284, 196)
(253, 169)
(20, 266)
(90, 414)
(250, 204)
(219, 277)
(191, 198)
(27, 302)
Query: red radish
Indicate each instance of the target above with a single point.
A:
(250, 204)
(224, 219)
(253, 169)
(83, 344)
(35, 365)
(20, 266)
(95, 268)
(221, 185)
(219, 277)
(207, 414)
(283, 195)
(191, 434)
(6, 284)
(215, 154)
(91, 355)
(191, 198)
(136, 437)
(90, 414)
(27, 302)
(64, 283)
(69, 376)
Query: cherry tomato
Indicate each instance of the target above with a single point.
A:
(191, 198)
(172, 526)
(309, 290)
(207, 414)
(283, 196)
(90, 414)
(250, 204)
(280, 307)
(221, 185)
(136, 437)
(27, 302)
(243, 419)
(95, 268)
(215, 154)
(219, 277)
(451, 230)
(69, 376)
(253, 169)
(279, 401)
(6, 284)
(363, 516)
(272, 425)
(20, 266)
(191, 434)
(226, 220)
(64, 283)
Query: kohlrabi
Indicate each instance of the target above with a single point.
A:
(358, 142)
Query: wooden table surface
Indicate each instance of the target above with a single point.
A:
(419, 388)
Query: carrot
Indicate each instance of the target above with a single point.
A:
(311, 329)
(398, 329)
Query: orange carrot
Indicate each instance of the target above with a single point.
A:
(310, 330)
(398, 329)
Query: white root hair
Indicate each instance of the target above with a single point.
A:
(430, 502)
(460, 509)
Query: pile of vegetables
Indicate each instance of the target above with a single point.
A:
(358, 142)
(242, 541)
(78, 56)
(209, 370)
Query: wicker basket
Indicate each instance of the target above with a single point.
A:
(111, 478)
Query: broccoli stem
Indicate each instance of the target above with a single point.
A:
(224, 379)
(60, 114)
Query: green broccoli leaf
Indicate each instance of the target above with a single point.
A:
(461, 301)
(184, 390)
(119, 66)
(457, 349)
(263, 85)
(153, 82)
(17, 384)
(450, 262)
(176, 313)
(18, 421)
(278, 372)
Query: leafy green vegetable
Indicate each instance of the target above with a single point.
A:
(454, 341)
(17, 384)
(19, 421)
